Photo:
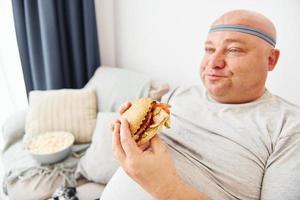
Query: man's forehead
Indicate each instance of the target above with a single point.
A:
(217, 38)
(238, 28)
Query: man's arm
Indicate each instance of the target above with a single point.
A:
(183, 191)
(153, 169)
(282, 172)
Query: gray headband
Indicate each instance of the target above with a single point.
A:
(244, 29)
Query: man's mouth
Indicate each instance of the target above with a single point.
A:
(215, 77)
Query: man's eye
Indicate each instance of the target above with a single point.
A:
(235, 50)
(209, 50)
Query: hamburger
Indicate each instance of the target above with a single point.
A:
(146, 117)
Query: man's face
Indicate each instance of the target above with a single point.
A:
(234, 67)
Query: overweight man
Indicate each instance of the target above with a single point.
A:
(231, 140)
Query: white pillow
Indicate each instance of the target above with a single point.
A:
(72, 110)
(114, 86)
(98, 164)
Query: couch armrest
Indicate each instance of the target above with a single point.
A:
(13, 128)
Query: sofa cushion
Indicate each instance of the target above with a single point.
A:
(72, 110)
(38, 187)
(13, 128)
(98, 163)
(114, 86)
(89, 191)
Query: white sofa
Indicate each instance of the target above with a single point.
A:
(113, 87)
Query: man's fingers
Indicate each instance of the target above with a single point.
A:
(124, 107)
(145, 146)
(157, 144)
(112, 125)
(129, 145)
(116, 143)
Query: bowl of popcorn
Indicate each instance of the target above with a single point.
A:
(50, 147)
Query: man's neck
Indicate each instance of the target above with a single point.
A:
(238, 99)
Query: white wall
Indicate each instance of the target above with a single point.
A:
(165, 37)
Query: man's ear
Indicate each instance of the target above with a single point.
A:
(273, 58)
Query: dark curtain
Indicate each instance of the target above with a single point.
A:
(57, 42)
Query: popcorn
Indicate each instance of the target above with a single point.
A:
(50, 142)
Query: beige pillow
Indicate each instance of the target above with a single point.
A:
(72, 110)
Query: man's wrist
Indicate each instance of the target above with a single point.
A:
(178, 190)
(171, 190)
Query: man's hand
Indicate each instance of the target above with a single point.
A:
(150, 165)
(153, 168)
(125, 106)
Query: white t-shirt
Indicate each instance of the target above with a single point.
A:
(228, 151)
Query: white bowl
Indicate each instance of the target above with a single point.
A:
(50, 155)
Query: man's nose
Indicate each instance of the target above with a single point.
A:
(216, 60)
